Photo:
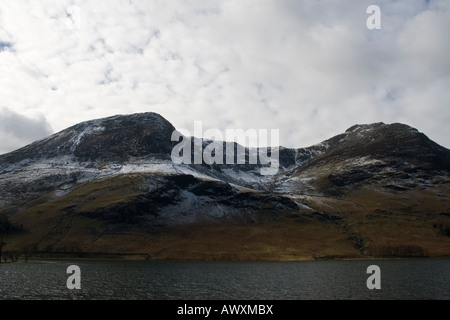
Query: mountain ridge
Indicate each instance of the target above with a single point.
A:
(109, 186)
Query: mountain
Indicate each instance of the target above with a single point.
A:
(110, 187)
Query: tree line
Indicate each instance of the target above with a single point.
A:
(7, 228)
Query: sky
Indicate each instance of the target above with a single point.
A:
(310, 69)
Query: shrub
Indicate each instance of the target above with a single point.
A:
(443, 224)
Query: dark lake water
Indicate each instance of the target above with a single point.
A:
(323, 280)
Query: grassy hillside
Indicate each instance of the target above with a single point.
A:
(101, 217)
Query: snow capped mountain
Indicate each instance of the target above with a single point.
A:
(116, 174)
(375, 154)
(117, 137)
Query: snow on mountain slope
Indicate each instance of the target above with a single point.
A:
(141, 143)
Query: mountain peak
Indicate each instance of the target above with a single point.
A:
(122, 136)
(112, 138)
(395, 144)
(364, 127)
(361, 128)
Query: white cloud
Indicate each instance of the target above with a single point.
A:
(311, 69)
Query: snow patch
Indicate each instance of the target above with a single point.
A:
(363, 161)
(93, 127)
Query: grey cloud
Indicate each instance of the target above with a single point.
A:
(19, 130)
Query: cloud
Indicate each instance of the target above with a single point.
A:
(311, 69)
(17, 130)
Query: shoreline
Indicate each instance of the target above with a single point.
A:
(47, 256)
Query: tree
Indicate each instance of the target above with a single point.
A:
(5, 227)
(2, 243)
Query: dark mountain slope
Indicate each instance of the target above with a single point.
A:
(113, 138)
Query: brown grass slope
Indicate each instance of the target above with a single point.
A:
(91, 220)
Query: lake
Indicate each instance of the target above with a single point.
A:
(302, 280)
